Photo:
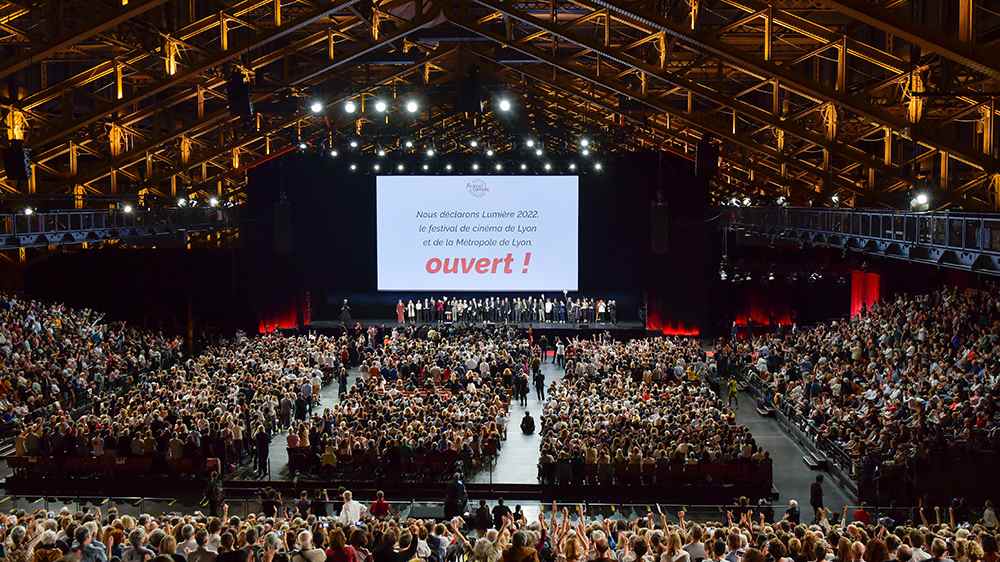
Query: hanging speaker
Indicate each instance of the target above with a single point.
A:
(706, 158)
(17, 161)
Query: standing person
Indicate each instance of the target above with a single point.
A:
(262, 441)
(345, 313)
(543, 343)
(733, 390)
(352, 510)
(400, 312)
(341, 382)
(816, 496)
(560, 353)
(539, 385)
(499, 512)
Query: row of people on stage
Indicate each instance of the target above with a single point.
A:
(505, 309)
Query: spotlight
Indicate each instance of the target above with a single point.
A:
(29, 211)
(430, 152)
(447, 167)
(770, 276)
(530, 143)
(350, 106)
(474, 143)
(334, 153)
(354, 144)
(504, 105)
(316, 106)
(400, 167)
(781, 200)
(426, 167)
(475, 166)
(376, 167)
(524, 166)
(213, 202)
(181, 202)
(127, 209)
(498, 167)
(412, 106)
(381, 153)
(734, 202)
(572, 166)
(538, 152)
(381, 106)
(584, 142)
(922, 199)
(303, 146)
(585, 152)
(409, 144)
(746, 201)
(835, 198)
(548, 166)
(354, 167)
(489, 152)
(598, 167)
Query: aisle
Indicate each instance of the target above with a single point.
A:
(518, 459)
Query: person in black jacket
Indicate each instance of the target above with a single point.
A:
(528, 424)
(386, 551)
(816, 496)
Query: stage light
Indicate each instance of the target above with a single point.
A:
(922, 199)
(381, 153)
(354, 144)
(530, 143)
(770, 276)
(182, 202)
(548, 166)
(734, 202)
(584, 142)
(412, 106)
(376, 167)
(213, 202)
(29, 211)
(585, 152)
(400, 167)
(354, 167)
(409, 144)
(381, 106)
(316, 106)
(781, 200)
(430, 152)
(746, 201)
(447, 167)
(504, 104)
(426, 167)
(538, 152)
(475, 166)
(598, 167)
(303, 146)
(524, 166)
(334, 153)
(835, 198)
(127, 209)
(350, 106)
(474, 143)
(489, 152)
(498, 167)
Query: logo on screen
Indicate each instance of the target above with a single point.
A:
(477, 188)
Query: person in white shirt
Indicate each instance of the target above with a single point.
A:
(352, 511)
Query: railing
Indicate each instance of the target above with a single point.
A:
(76, 226)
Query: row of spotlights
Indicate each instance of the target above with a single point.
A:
(475, 167)
(381, 106)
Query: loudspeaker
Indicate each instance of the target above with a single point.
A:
(238, 95)
(17, 161)
(706, 161)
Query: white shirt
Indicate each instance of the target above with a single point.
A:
(351, 512)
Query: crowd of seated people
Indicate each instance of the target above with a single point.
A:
(901, 381)
(53, 357)
(424, 403)
(639, 412)
(356, 532)
(224, 403)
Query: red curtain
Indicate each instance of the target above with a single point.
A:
(866, 288)
(655, 323)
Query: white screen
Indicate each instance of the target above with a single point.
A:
(477, 233)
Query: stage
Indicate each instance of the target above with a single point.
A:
(617, 330)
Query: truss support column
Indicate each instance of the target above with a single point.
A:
(887, 146)
(78, 196)
(768, 17)
(277, 13)
(945, 171)
(329, 44)
(842, 65)
(994, 182)
(987, 114)
(223, 31)
(966, 21)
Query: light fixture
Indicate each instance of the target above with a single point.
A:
(922, 199)
(408, 144)
(572, 166)
(524, 166)
(127, 209)
(746, 201)
(734, 202)
(303, 146)
(426, 167)
(504, 104)
(381, 106)
(400, 167)
(182, 202)
(350, 106)
(598, 167)
(498, 167)
(213, 202)
(538, 152)
(584, 142)
(548, 166)
(381, 153)
(354, 167)
(376, 167)
(354, 144)
(430, 152)
(489, 152)
(447, 167)
(781, 200)
(412, 106)
(334, 153)
(475, 166)
(474, 143)
(316, 106)
(29, 211)
(835, 198)
(530, 143)
(585, 152)
(770, 276)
